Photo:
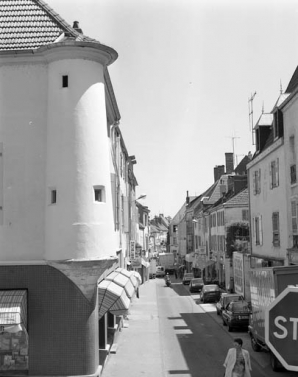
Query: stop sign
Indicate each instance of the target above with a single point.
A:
(281, 328)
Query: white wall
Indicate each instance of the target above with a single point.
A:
(54, 137)
(269, 201)
(23, 110)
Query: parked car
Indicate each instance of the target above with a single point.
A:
(210, 293)
(236, 315)
(196, 285)
(225, 299)
(187, 277)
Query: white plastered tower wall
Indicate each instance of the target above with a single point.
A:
(55, 138)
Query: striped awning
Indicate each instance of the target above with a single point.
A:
(113, 298)
(137, 276)
(13, 307)
(131, 275)
(116, 291)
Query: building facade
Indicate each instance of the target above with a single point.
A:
(60, 229)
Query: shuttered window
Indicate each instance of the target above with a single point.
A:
(294, 217)
(275, 228)
(274, 173)
(257, 230)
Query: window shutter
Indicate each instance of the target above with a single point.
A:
(254, 230)
(113, 186)
(126, 215)
(254, 183)
(294, 216)
(270, 175)
(277, 172)
(259, 181)
(260, 230)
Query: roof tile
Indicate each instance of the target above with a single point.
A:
(30, 24)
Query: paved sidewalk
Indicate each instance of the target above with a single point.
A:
(138, 351)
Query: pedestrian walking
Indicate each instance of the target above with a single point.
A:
(237, 362)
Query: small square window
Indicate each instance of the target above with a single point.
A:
(99, 194)
(53, 196)
(65, 81)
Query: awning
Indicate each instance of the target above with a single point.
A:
(13, 308)
(123, 281)
(145, 263)
(131, 275)
(116, 291)
(113, 298)
(190, 257)
(138, 276)
(209, 263)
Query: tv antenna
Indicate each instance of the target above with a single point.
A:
(251, 116)
(233, 146)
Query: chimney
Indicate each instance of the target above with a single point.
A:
(219, 170)
(77, 27)
(229, 163)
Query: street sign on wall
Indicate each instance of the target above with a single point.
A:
(281, 328)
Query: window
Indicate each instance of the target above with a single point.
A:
(293, 174)
(278, 124)
(65, 81)
(275, 228)
(245, 214)
(257, 230)
(294, 217)
(274, 173)
(53, 196)
(257, 182)
(175, 228)
(99, 194)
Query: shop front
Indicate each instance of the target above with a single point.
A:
(14, 340)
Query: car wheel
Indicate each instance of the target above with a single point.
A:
(275, 364)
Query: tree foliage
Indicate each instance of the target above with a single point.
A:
(237, 237)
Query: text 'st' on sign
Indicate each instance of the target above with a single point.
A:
(281, 328)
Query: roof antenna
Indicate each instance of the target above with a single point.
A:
(263, 108)
(250, 115)
(280, 85)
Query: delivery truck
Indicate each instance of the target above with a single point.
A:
(167, 260)
(265, 285)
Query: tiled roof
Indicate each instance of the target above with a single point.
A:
(30, 24)
(240, 199)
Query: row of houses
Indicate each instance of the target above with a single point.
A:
(71, 223)
(250, 209)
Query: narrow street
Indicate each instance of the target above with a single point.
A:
(194, 341)
(170, 333)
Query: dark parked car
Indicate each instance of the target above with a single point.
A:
(196, 285)
(187, 277)
(236, 315)
(210, 293)
(225, 299)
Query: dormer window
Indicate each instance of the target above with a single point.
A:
(278, 124)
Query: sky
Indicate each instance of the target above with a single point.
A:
(183, 79)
